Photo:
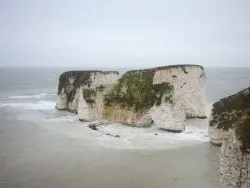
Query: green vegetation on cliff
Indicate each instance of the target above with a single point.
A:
(239, 101)
(135, 89)
(242, 131)
(71, 80)
(230, 109)
(80, 77)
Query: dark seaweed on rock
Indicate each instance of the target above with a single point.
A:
(135, 89)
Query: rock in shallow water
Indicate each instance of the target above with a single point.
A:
(93, 127)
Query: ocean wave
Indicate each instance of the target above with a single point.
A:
(130, 137)
(41, 105)
(192, 133)
(37, 96)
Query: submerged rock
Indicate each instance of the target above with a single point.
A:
(225, 113)
(163, 95)
(116, 136)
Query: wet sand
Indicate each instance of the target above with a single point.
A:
(34, 157)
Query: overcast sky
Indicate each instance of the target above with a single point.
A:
(124, 33)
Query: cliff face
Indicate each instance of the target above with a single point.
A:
(132, 100)
(235, 156)
(164, 95)
(72, 84)
(189, 87)
(225, 113)
(230, 126)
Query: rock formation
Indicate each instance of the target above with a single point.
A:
(72, 84)
(164, 95)
(225, 113)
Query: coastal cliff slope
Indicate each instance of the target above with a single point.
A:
(235, 155)
(225, 113)
(230, 127)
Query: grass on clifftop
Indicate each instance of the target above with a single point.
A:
(135, 90)
(181, 66)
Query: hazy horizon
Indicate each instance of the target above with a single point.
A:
(124, 34)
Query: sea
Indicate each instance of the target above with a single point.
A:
(41, 147)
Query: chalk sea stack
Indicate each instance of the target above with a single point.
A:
(163, 95)
(71, 82)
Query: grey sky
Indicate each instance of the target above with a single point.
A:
(124, 33)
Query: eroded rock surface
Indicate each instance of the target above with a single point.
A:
(225, 113)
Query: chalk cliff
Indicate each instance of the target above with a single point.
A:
(225, 113)
(230, 126)
(235, 155)
(164, 95)
(73, 84)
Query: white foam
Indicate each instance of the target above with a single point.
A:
(130, 137)
(68, 125)
(37, 96)
(41, 105)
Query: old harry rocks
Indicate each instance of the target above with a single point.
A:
(163, 95)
